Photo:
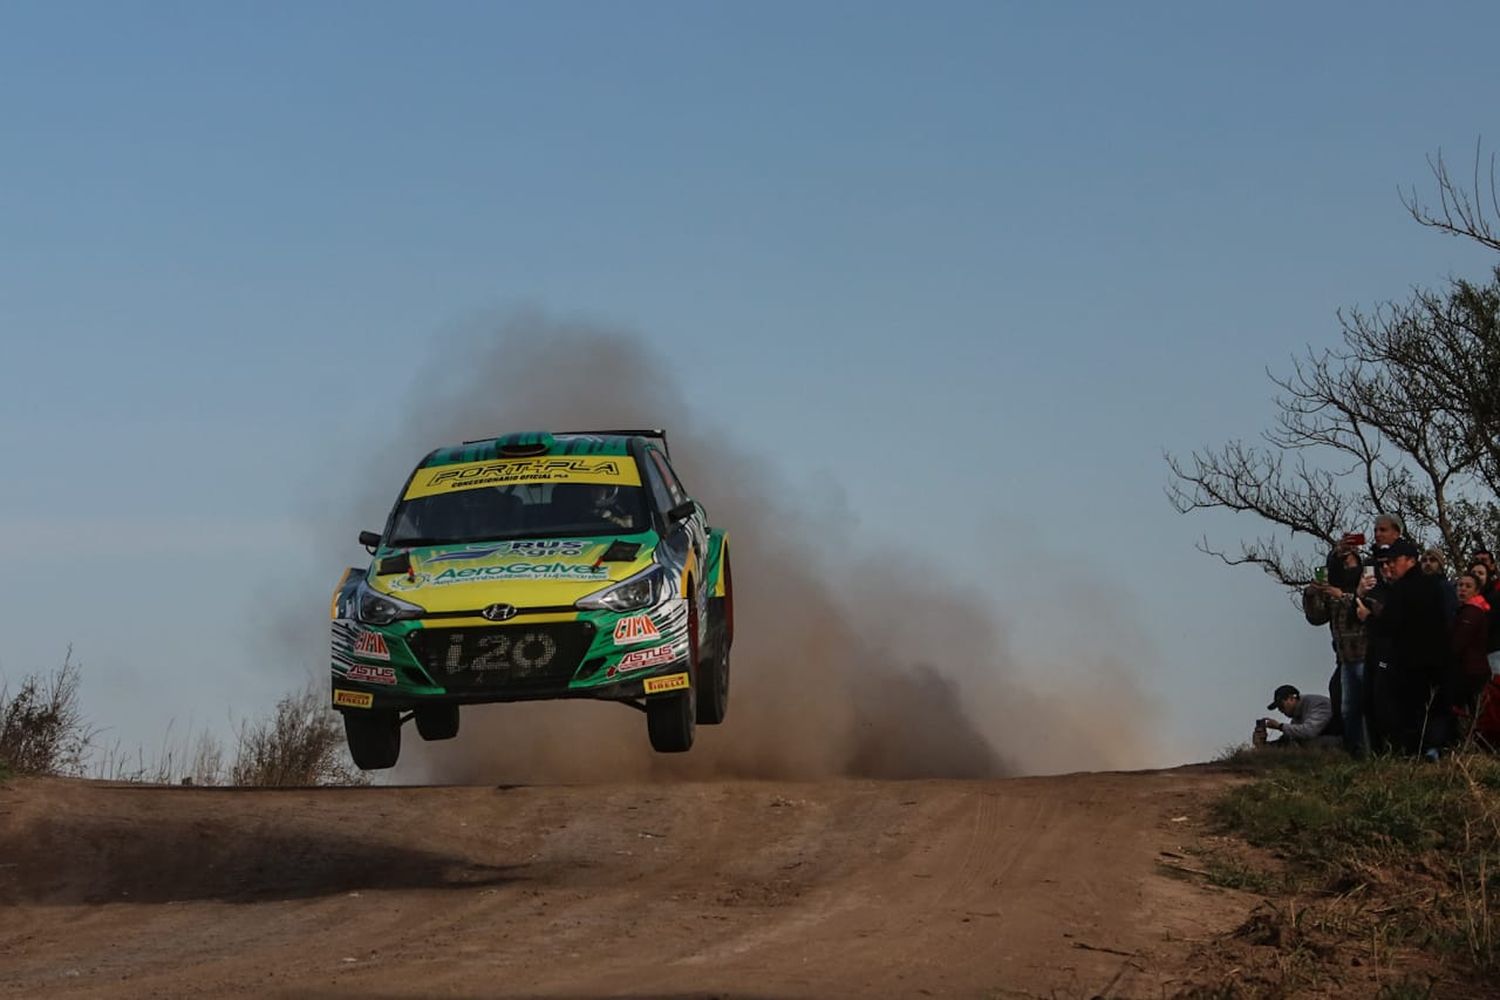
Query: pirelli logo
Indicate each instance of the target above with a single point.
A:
(671, 682)
(352, 699)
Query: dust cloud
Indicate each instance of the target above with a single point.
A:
(842, 664)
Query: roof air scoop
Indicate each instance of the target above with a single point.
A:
(523, 445)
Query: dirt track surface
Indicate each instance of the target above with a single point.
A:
(1024, 887)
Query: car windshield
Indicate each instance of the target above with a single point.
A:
(520, 511)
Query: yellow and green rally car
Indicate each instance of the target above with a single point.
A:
(535, 566)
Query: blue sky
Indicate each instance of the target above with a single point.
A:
(1055, 238)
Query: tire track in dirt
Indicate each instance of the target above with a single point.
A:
(729, 889)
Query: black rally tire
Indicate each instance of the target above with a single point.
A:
(713, 672)
(437, 722)
(669, 722)
(670, 718)
(374, 738)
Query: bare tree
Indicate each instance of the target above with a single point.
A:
(1461, 210)
(1400, 419)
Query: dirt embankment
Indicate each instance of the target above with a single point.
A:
(1042, 886)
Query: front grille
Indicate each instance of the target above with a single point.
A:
(506, 657)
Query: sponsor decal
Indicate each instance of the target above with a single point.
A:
(612, 470)
(671, 682)
(640, 628)
(371, 675)
(352, 699)
(541, 548)
(653, 657)
(371, 645)
(521, 571)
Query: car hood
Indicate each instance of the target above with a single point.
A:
(525, 573)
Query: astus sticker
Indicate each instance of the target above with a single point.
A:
(671, 682)
(353, 699)
(371, 675)
(629, 631)
(653, 657)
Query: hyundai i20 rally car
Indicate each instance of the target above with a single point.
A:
(535, 566)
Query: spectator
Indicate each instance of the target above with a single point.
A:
(1471, 632)
(1409, 647)
(1388, 529)
(1480, 569)
(1433, 564)
(1483, 568)
(1332, 603)
(1482, 555)
(1309, 715)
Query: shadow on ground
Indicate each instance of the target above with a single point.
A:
(77, 859)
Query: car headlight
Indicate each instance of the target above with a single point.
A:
(374, 608)
(643, 590)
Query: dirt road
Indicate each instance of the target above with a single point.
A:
(1041, 886)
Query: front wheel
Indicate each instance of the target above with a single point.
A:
(669, 722)
(374, 738)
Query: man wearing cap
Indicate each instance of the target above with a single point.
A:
(1409, 651)
(1310, 715)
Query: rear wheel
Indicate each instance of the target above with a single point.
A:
(374, 738)
(437, 722)
(713, 673)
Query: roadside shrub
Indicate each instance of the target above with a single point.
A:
(42, 730)
(301, 743)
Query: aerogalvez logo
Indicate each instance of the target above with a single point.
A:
(523, 571)
(616, 471)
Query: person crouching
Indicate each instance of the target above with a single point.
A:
(1309, 715)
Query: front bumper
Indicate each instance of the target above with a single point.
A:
(592, 655)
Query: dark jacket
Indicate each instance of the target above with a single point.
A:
(1493, 596)
(1409, 629)
(1471, 632)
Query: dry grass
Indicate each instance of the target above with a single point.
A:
(302, 743)
(1380, 877)
(42, 729)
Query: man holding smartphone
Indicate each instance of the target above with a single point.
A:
(1329, 601)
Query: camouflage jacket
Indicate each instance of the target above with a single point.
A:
(1348, 631)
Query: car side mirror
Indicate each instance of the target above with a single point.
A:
(370, 540)
(682, 512)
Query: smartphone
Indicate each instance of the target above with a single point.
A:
(1355, 538)
(1321, 574)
